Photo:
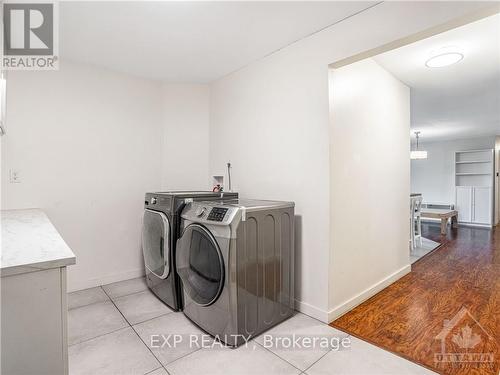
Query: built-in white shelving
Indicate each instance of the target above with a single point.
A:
(473, 162)
(473, 174)
(474, 181)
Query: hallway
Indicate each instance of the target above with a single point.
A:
(460, 283)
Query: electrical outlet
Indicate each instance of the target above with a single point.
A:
(14, 176)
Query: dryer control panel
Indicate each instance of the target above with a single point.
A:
(217, 214)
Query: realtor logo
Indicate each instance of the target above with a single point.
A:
(463, 341)
(30, 33)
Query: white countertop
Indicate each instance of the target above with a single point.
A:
(31, 243)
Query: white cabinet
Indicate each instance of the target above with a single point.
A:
(474, 170)
(474, 204)
(3, 101)
(33, 306)
(482, 205)
(464, 204)
(34, 323)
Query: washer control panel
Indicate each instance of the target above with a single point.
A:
(210, 213)
(217, 214)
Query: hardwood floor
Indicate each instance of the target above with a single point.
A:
(458, 284)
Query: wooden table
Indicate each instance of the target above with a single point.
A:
(443, 215)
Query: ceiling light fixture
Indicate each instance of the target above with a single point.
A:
(418, 154)
(444, 57)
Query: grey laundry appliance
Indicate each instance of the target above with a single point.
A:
(235, 260)
(159, 238)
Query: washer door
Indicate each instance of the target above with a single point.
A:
(155, 242)
(200, 265)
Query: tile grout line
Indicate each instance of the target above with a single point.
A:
(133, 329)
(329, 351)
(116, 307)
(149, 372)
(123, 295)
(142, 321)
(140, 338)
(283, 359)
(146, 345)
(147, 320)
(98, 336)
(307, 368)
(156, 369)
(112, 301)
(107, 295)
(89, 304)
(184, 356)
(129, 325)
(319, 359)
(92, 303)
(157, 357)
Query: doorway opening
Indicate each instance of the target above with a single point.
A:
(429, 208)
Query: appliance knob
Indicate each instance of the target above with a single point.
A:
(200, 211)
(153, 200)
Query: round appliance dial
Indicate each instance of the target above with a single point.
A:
(200, 211)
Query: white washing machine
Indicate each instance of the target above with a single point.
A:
(235, 260)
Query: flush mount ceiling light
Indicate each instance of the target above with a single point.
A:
(444, 57)
(418, 154)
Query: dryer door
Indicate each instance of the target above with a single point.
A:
(200, 265)
(155, 242)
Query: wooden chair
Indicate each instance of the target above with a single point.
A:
(415, 222)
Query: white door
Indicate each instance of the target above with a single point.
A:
(464, 204)
(482, 205)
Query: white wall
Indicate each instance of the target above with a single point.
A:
(369, 183)
(497, 179)
(86, 142)
(185, 140)
(270, 119)
(434, 177)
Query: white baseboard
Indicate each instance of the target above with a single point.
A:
(345, 307)
(304, 307)
(475, 225)
(108, 279)
(311, 311)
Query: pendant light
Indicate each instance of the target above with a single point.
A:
(418, 154)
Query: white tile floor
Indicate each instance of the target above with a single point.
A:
(111, 328)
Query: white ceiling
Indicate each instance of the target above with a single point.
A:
(194, 42)
(458, 101)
